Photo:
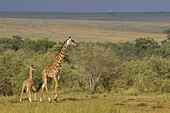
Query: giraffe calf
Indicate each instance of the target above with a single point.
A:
(28, 84)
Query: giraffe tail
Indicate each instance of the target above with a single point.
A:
(39, 86)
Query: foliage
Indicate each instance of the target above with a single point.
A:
(139, 66)
(125, 51)
(11, 63)
(167, 31)
(141, 47)
(143, 44)
(16, 43)
(152, 74)
(97, 65)
(5, 43)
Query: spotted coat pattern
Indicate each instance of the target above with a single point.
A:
(28, 84)
(54, 69)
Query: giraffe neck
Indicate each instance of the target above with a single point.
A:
(30, 74)
(60, 56)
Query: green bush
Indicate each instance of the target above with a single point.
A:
(149, 75)
(96, 65)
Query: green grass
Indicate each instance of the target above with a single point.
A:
(81, 102)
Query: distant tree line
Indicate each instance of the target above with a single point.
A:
(139, 66)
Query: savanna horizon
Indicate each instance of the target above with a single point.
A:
(102, 27)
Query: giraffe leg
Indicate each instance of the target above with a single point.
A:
(42, 92)
(44, 86)
(35, 92)
(27, 89)
(23, 87)
(59, 74)
(29, 94)
(47, 91)
(56, 87)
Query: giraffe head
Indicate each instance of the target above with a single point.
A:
(71, 42)
(32, 67)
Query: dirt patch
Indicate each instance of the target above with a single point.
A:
(138, 102)
(66, 99)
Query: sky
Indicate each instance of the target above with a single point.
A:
(85, 5)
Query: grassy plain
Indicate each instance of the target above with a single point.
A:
(78, 102)
(82, 30)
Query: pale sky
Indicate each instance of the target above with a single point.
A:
(85, 5)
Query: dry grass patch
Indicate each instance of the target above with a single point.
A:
(81, 30)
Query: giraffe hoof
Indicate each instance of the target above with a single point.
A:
(56, 100)
(49, 100)
(41, 100)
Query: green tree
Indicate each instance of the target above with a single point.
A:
(151, 74)
(10, 64)
(142, 45)
(42, 45)
(126, 51)
(97, 66)
(17, 42)
(167, 31)
(5, 43)
(29, 44)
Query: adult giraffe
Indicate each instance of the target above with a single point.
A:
(53, 70)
